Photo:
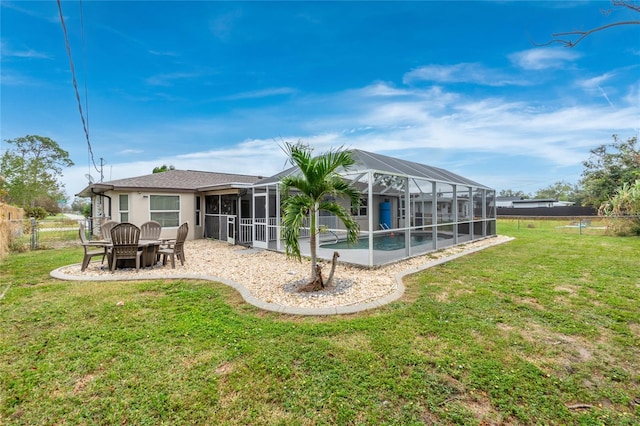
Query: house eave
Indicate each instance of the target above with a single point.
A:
(223, 186)
(94, 189)
(97, 189)
(101, 189)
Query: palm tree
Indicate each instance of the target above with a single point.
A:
(315, 188)
(625, 203)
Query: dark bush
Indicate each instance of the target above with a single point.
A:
(38, 213)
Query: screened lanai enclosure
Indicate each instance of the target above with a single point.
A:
(227, 216)
(407, 209)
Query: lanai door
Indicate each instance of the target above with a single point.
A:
(231, 229)
(260, 234)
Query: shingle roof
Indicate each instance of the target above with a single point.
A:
(174, 180)
(365, 160)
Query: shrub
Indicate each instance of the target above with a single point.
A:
(38, 213)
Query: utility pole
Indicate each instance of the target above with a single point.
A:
(101, 167)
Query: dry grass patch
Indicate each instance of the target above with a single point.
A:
(224, 368)
(82, 382)
(352, 342)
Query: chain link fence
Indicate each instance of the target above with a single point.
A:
(35, 234)
(582, 225)
(19, 235)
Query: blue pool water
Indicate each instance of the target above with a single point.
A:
(381, 242)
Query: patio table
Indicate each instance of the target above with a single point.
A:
(149, 249)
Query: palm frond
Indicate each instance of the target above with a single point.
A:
(336, 159)
(298, 182)
(296, 210)
(344, 189)
(352, 227)
(300, 156)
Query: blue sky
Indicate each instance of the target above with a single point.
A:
(219, 85)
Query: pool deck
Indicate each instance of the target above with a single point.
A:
(360, 257)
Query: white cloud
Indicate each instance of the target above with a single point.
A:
(256, 94)
(462, 73)
(382, 89)
(166, 53)
(8, 78)
(543, 58)
(170, 78)
(222, 26)
(594, 82)
(8, 52)
(446, 129)
(633, 98)
(595, 86)
(130, 151)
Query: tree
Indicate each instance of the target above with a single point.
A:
(31, 170)
(625, 202)
(163, 168)
(316, 188)
(572, 38)
(49, 203)
(79, 204)
(561, 191)
(86, 210)
(512, 193)
(608, 168)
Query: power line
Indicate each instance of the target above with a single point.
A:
(84, 63)
(86, 88)
(75, 84)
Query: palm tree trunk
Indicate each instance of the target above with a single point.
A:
(329, 282)
(312, 239)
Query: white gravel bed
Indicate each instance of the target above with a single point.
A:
(269, 276)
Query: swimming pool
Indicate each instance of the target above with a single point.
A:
(382, 242)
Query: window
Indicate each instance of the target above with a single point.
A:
(198, 210)
(165, 209)
(363, 208)
(123, 207)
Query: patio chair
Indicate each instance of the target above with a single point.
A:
(105, 229)
(150, 230)
(124, 244)
(91, 249)
(175, 248)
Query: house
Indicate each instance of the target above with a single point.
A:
(549, 207)
(201, 198)
(535, 202)
(407, 208)
(506, 202)
(522, 203)
(561, 203)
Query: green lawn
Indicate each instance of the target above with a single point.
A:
(542, 330)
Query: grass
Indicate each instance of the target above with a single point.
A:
(596, 225)
(542, 330)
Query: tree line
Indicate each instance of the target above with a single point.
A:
(606, 172)
(31, 166)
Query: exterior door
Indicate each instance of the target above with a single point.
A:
(260, 235)
(231, 229)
